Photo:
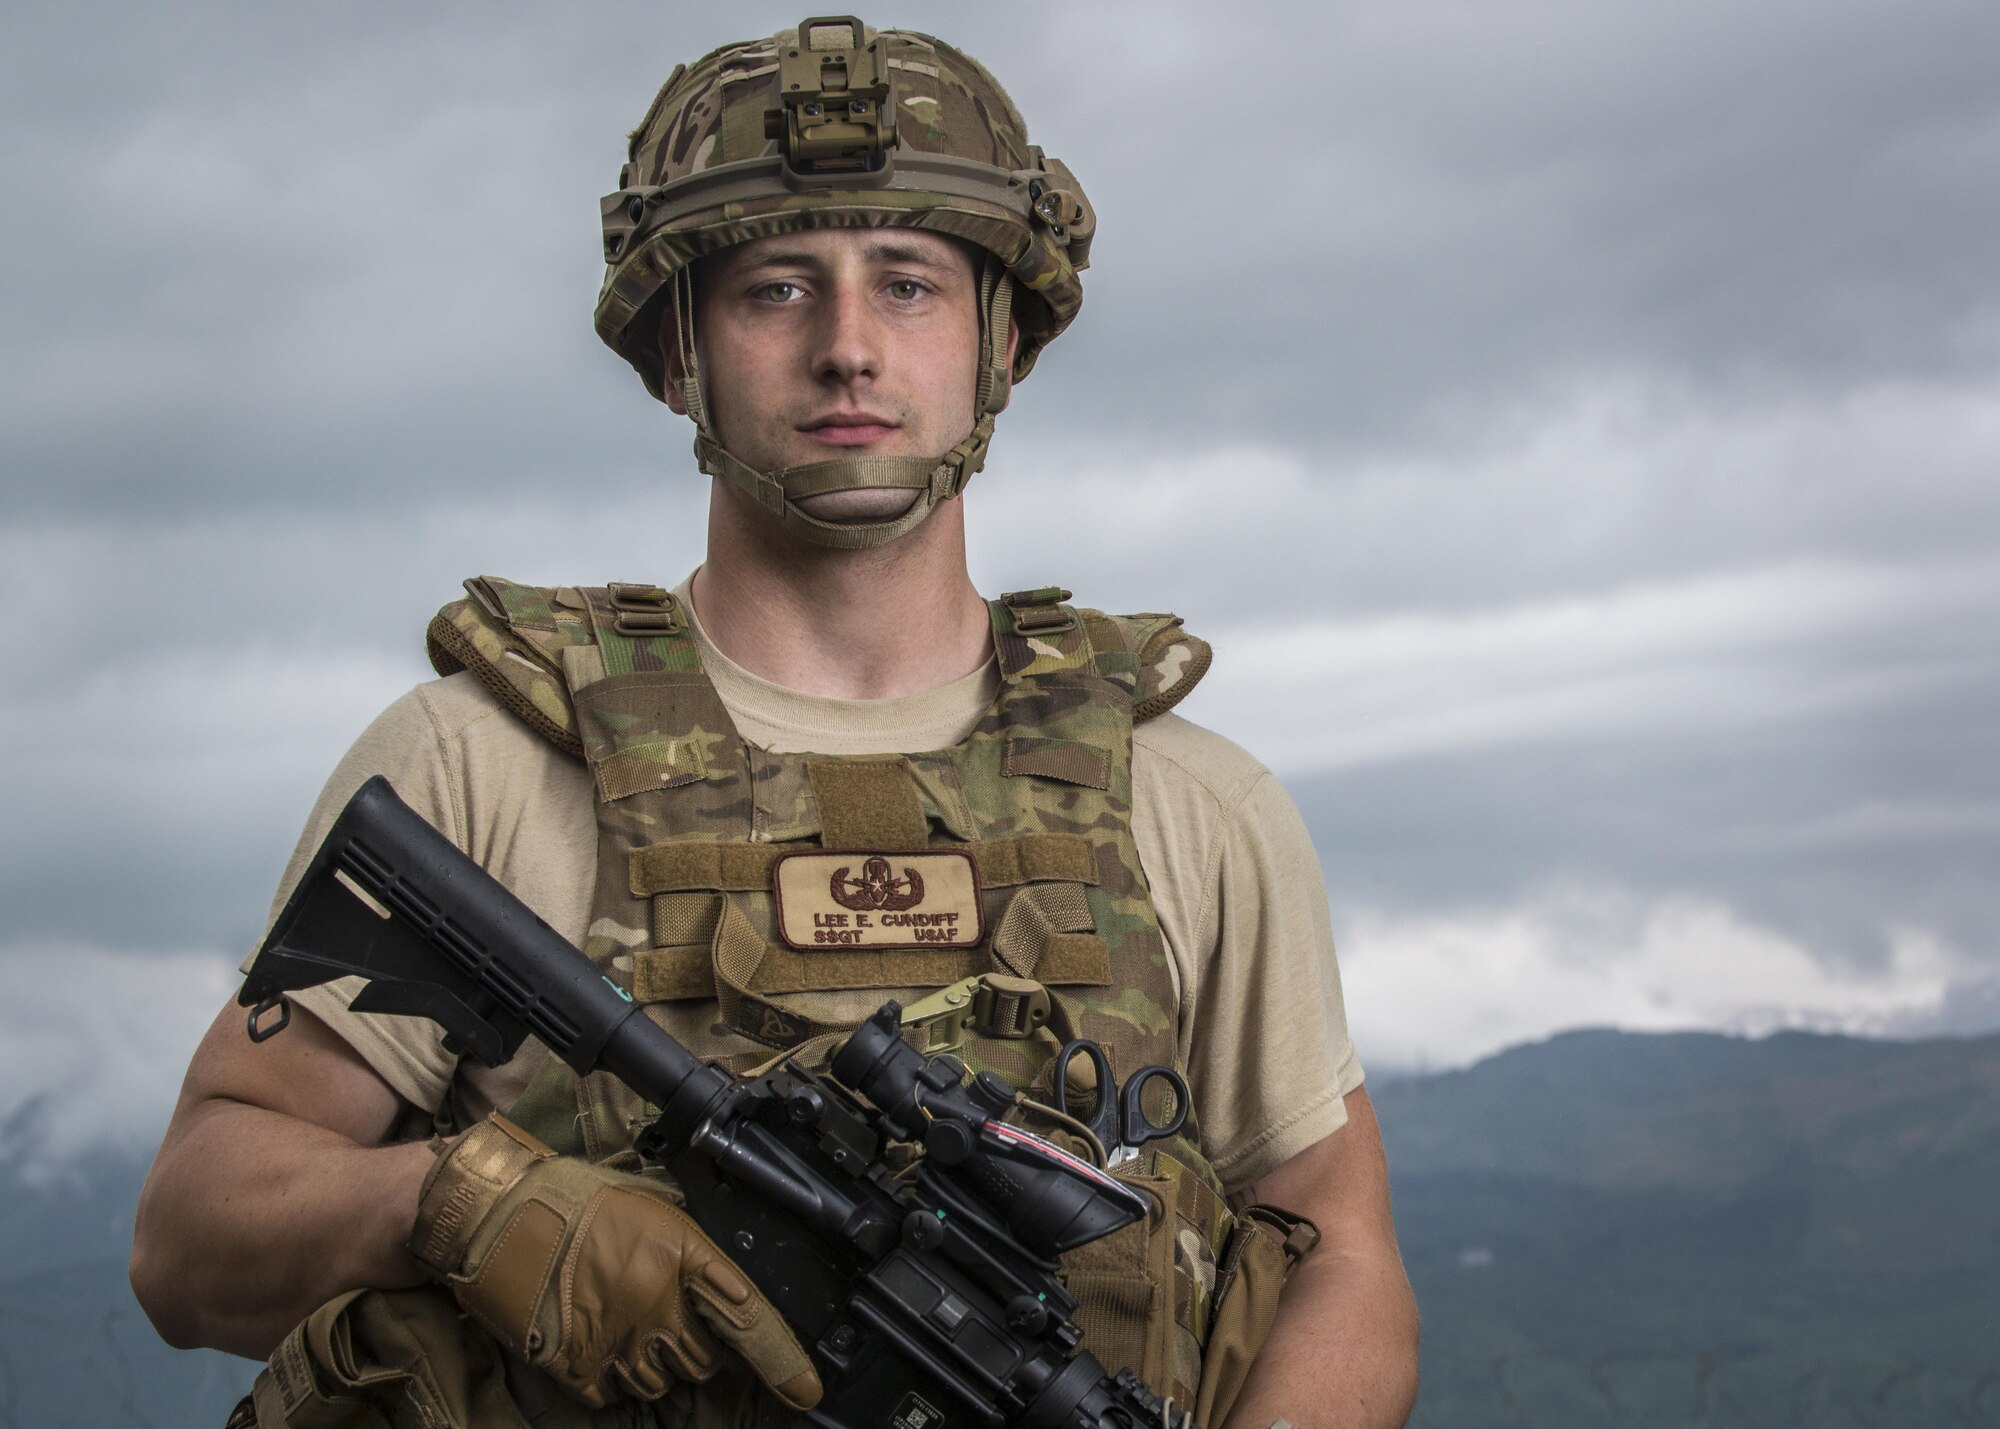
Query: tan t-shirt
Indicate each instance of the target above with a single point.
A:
(1234, 877)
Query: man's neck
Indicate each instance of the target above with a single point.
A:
(859, 625)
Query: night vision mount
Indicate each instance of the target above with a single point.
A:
(836, 102)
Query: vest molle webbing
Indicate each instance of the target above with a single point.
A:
(758, 902)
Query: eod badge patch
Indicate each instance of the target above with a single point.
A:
(873, 900)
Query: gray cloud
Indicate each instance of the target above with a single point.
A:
(1834, 832)
(1449, 205)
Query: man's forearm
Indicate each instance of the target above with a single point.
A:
(1342, 1353)
(252, 1219)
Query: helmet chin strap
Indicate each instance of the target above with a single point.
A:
(935, 480)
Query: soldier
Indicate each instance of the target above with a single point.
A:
(835, 251)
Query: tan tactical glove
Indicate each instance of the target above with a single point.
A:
(594, 1275)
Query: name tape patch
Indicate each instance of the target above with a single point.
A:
(878, 900)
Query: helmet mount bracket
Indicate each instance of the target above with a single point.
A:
(834, 109)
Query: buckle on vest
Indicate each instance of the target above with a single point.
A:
(1299, 1237)
(992, 1004)
(1009, 1007)
(1040, 611)
(943, 1015)
(644, 610)
(1302, 1242)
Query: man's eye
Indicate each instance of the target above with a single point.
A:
(779, 292)
(905, 290)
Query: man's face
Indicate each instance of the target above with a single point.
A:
(840, 342)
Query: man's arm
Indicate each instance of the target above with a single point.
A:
(1343, 1349)
(270, 1194)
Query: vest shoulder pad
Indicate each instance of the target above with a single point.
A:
(1171, 661)
(512, 637)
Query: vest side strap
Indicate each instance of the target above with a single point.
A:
(739, 951)
(1067, 761)
(704, 867)
(653, 764)
(685, 972)
(680, 918)
(673, 974)
(1035, 858)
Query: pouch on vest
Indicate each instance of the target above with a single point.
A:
(410, 1359)
(1267, 1246)
(1145, 1293)
(373, 1359)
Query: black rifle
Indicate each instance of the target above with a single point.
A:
(927, 1302)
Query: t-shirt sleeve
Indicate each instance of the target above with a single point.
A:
(1269, 1053)
(403, 745)
(1242, 903)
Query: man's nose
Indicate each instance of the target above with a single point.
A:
(850, 334)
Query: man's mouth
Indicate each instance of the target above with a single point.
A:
(849, 429)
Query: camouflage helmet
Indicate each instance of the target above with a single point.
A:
(837, 125)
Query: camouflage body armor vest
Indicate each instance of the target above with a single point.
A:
(758, 903)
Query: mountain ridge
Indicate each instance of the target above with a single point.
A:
(1692, 1228)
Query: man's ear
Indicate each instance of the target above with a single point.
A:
(670, 358)
(1013, 345)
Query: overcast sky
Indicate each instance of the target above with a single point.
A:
(1575, 425)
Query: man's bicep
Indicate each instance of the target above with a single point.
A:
(1340, 1183)
(307, 1072)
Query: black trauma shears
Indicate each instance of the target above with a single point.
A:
(1120, 1120)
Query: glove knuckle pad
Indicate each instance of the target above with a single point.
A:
(623, 1293)
(728, 1285)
